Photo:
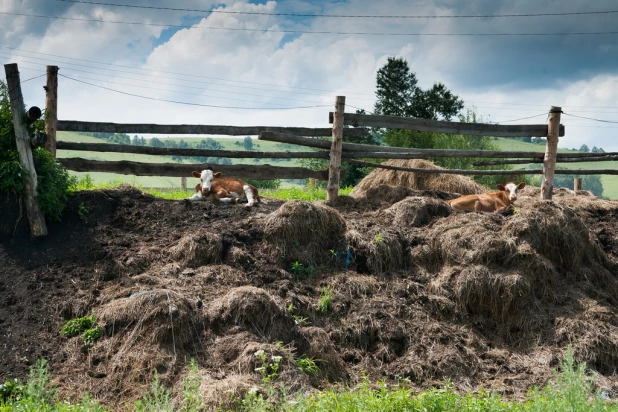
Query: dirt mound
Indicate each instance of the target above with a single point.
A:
(305, 232)
(400, 287)
(417, 180)
(198, 249)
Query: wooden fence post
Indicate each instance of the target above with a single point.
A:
(577, 184)
(35, 216)
(183, 183)
(51, 108)
(549, 162)
(335, 150)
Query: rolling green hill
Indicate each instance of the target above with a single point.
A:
(610, 183)
(162, 182)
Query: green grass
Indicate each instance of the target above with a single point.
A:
(163, 182)
(610, 182)
(306, 193)
(571, 389)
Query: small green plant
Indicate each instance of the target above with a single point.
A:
(82, 211)
(269, 370)
(326, 299)
(300, 319)
(377, 238)
(299, 269)
(158, 399)
(191, 397)
(307, 365)
(76, 326)
(92, 334)
(11, 390)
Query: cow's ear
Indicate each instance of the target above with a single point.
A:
(196, 174)
(218, 174)
(521, 185)
(500, 187)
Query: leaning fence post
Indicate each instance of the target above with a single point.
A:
(335, 150)
(35, 216)
(51, 108)
(549, 162)
(577, 184)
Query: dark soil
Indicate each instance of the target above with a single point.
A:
(399, 323)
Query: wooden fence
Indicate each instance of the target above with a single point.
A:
(334, 150)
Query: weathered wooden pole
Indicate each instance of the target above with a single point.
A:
(35, 216)
(335, 150)
(549, 161)
(183, 183)
(577, 184)
(51, 108)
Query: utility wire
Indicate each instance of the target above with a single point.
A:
(523, 118)
(176, 73)
(169, 78)
(346, 16)
(318, 32)
(191, 104)
(589, 118)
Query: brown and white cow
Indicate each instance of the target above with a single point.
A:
(489, 202)
(223, 189)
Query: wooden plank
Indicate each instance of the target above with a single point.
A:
(551, 149)
(332, 189)
(262, 172)
(129, 128)
(51, 108)
(416, 153)
(577, 184)
(38, 227)
(514, 172)
(558, 160)
(426, 125)
(169, 151)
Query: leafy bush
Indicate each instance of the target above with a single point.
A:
(76, 326)
(53, 180)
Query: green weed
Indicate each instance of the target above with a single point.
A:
(307, 365)
(76, 326)
(326, 299)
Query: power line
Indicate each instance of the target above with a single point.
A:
(344, 15)
(590, 118)
(172, 78)
(192, 104)
(319, 32)
(542, 105)
(171, 84)
(181, 74)
(523, 118)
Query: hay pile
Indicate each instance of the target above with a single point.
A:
(305, 232)
(198, 249)
(417, 211)
(148, 331)
(418, 181)
(255, 310)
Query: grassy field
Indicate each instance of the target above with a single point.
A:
(163, 182)
(610, 183)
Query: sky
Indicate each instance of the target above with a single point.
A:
(237, 68)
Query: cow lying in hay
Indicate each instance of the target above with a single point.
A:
(488, 202)
(223, 189)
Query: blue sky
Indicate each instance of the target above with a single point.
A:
(504, 77)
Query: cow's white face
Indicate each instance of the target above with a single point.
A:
(206, 178)
(511, 189)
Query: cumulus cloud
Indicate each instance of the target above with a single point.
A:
(273, 69)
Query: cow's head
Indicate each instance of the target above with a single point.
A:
(206, 177)
(511, 189)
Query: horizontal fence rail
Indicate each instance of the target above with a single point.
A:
(77, 126)
(261, 172)
(414, 153)
(426, 125)
(558, 160)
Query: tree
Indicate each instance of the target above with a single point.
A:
(156, 142)
(584, 149)
(398, 94)
(247, 143)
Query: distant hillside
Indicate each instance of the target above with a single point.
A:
(610, 183)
